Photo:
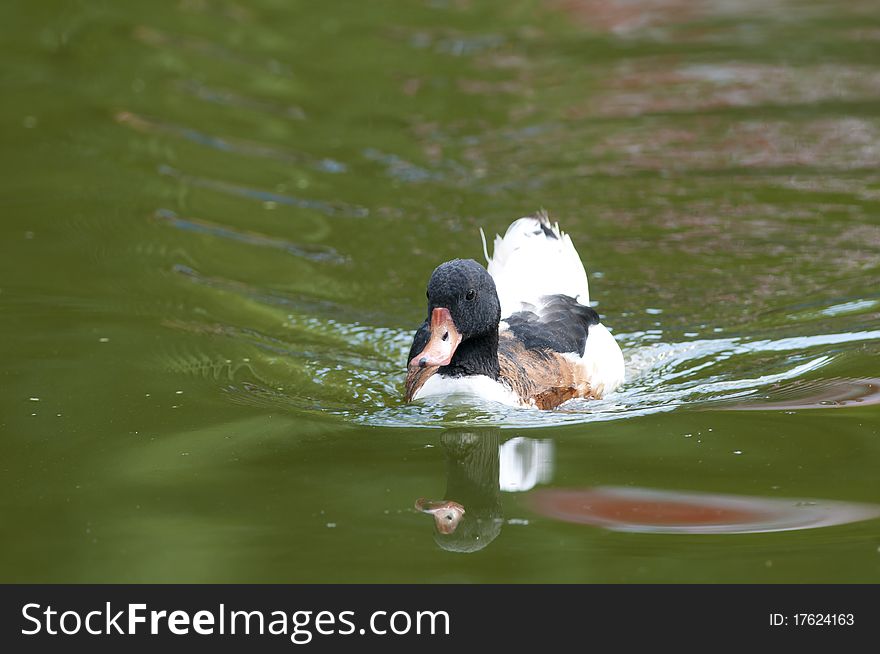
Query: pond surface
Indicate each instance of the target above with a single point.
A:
(218, 220)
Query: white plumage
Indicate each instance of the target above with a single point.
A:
(481, 386)
(527, 264)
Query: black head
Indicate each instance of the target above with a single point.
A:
(465, 288)
(460, 334)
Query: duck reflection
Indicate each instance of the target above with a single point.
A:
(478, 468)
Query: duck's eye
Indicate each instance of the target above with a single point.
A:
(471, 294)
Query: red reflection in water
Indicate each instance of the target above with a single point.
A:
(656, 511)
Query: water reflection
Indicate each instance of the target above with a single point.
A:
(479, 466)
(649, 510)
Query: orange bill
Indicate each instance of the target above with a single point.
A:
(438, 352)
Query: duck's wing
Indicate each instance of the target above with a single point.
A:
(534, 259)
(558, 323)
(557, 349)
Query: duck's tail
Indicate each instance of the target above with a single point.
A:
(535, 258)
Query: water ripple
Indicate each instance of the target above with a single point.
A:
(228, 98)
(227, 144)
(314, 253)
(327, 208)
(203, 47)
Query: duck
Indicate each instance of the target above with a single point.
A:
(519, 331)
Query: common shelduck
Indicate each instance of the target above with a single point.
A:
(549, 347)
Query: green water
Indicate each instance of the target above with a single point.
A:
(218, 220)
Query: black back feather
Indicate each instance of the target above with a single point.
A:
(562, 325)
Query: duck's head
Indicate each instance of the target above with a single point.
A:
(462, 305)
